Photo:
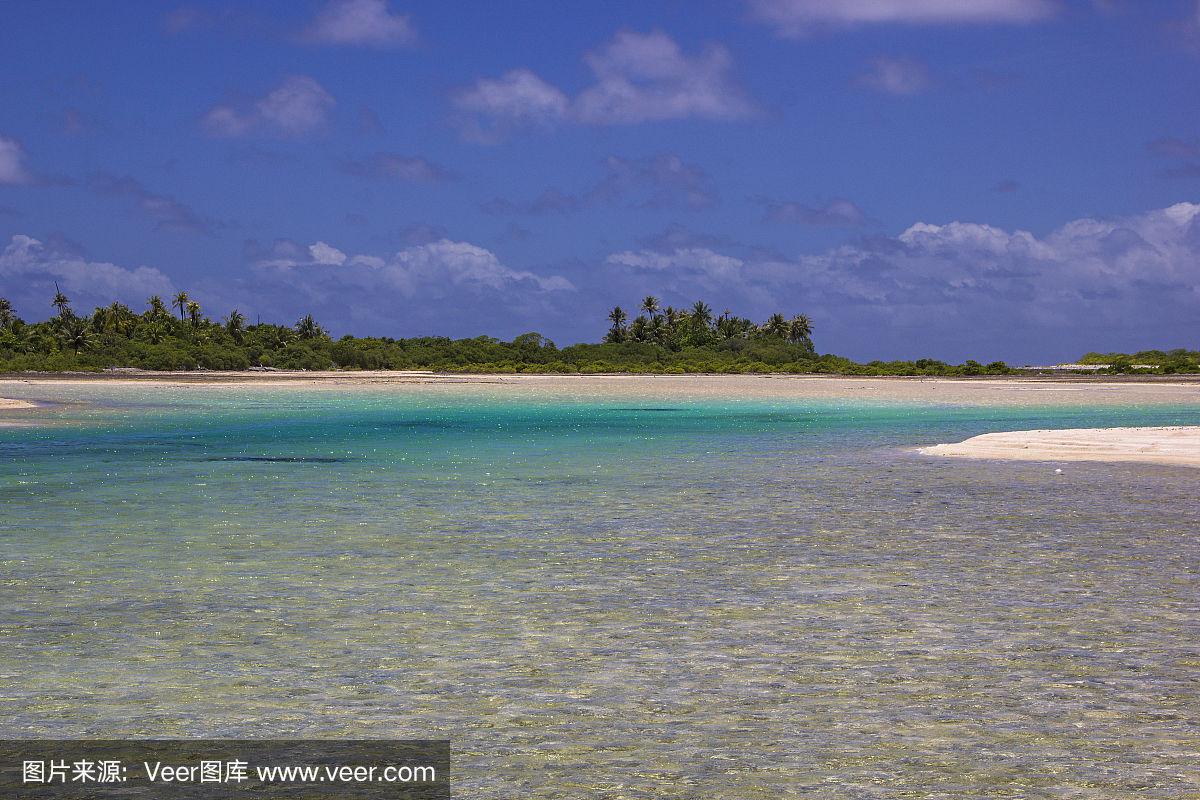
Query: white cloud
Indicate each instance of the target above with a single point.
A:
(326, 254)
(12, 166)
(360, 22)
(799, 17)
(516, 99)
(297, 106)
(1097, 278)
(460, 264)
(34, 266)
(691, 262)
(639, 77)
(646, 77)
(898, 76)
(426, 269)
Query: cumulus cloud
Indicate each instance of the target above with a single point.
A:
(689, 264)
(322, 253)
(794, 18)
(12, 163)
(392, 166)
(646, 77)
(360, 22)
(969, 287)
(427, 268)
(434, 286)
(897, 76)
(167, 213)
(461, 264)
(638, 77)
(517, 99)
(31, 267)
(660, 181)
(838, 212)
(297, 106)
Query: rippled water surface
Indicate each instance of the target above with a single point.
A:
(608, 598)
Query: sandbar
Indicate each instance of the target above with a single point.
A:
(1177, 445)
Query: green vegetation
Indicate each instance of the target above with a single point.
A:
(657, 341)
(1161, 362)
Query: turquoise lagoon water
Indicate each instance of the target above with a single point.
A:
(607, 598)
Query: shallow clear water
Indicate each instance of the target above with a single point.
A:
(608, 598)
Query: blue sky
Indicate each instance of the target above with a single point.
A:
(1007, 179)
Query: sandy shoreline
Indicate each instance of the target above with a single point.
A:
(1178, 445)
(1018, 390)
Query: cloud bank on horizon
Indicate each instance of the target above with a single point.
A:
(946, 178)
(1086, 281)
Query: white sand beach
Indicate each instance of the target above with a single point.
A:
(1167, 445)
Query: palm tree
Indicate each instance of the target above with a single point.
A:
(730, 326)
(275, 336)
(154, 333)
(157, 307)
(617, 317)
(61, 302)
(650, 306)
(121, 319)
(702, 313)
(776, 326)
(99, 319)
(235, 324)
(800, 330)
(75, 334)
(115, 318)
(7, 315)
(308, 328)
(660, 330)
(193, 309)
(181, 302)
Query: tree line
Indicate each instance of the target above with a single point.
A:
(175, 333)
(697, 326)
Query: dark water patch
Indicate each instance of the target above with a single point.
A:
(647, 409)
(418, 423)
(282, 459)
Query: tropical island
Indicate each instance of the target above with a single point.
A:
(659, 340)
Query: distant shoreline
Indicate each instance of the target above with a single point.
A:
(283, 376)
(785, 388)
